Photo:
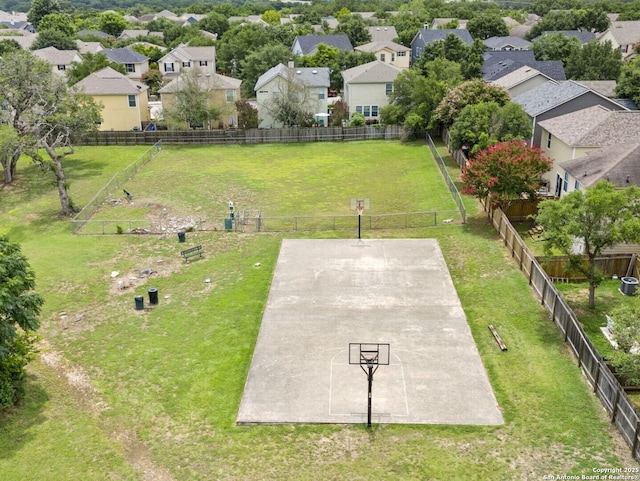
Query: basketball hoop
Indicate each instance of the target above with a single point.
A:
(360, 208)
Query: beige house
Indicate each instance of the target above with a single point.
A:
(367, 88)
(222, 92)
(521, 80)
(383, 33)
(124, 101)
(310, 87)
(388, 52)
(623, 35)
(60, 60)
(574, 135)
(185, 58)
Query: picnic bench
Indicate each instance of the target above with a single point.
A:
(192, 252)
(128, 194)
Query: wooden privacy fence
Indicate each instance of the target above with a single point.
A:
(243, 136)
(605, 386)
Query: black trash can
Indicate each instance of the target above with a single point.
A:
(139, 303)
(153, 295)
(181, 236)
(628, 285)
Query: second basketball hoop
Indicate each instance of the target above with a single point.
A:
(359, 204)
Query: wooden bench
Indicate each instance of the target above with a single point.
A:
(128, 194)
(192, 252)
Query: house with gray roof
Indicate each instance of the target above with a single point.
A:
(553, 99)
(367, 88)
(440, 23)
(309, 86)
(521, 80)
(18, 26)
(507, 43)
(124, 101)
(499, 63)
(308, 44)
(623, 35)
(60, 60)
(388, 52)
(184, 58)
(134, 63)
(427, 36)
(88, 47)
(574, 135)
(382, 33)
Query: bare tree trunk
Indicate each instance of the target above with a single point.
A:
(6, 169)
(63, 194)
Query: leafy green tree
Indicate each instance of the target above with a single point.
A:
(20, 308)
(8, 45)
(40, 106)
(467, 93)
(40, 8)
(626, 333)
(247, 115)
(598, 218)
(594, 61)
(482, 125)
(237, 44)
(485, 26)
(62, 22)
(629, 81)
(357, 120)
(452, 48)
(258, 62)
(407, 24)
(590, 20)
(153, 79)
(214, 22)
(53, 38)
(91, 63)
(153, 52)
(271, 16)
(112, 23)
(505, 172)
(355, 28)
(556, 46)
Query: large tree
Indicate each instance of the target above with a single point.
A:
(484, 26)
(556, 46)
(583, 223)
(112, 23)
(467, 93)
(629, 82)
(46, 114)
(91, 62)
(258, 62)
(505, 172)
(594, 61)
(41, 8)
(19, 310)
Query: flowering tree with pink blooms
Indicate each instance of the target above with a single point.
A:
(504, 172)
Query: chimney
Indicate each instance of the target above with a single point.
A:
(290, 63)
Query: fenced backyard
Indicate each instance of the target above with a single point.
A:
(606, 387)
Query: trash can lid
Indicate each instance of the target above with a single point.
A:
(139, 298)
(630, 280)
(152, 289)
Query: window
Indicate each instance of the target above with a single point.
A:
(549, 140)
(168, 67)
(62, 67)
(576, 185)
(388, 88)
(393, 57)
(624, 48)
(132, 100)
(263, 91)
(566, 181)
(359, 109)
(382, 57)
(231, 95)
(203, 63)
(320, 95)
(402, 54)
(186, 64)
(367, 111)
(374, 111)
(129, 67)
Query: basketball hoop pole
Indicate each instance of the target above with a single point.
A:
(370, 379)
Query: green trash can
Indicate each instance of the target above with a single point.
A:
(139, 303)
(181, 236)
(228, 223)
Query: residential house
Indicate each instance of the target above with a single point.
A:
(553, 99)
(222, 92)
(309, 85)
(507, 43)
(499, 63)
(257, 19)
(623, 35)
(129, 34)
(184, 58)
(169, 15)
(187, 19)
(573, 135)
(426, 37)
(308, 44)
(388, 52)
(583, 37)
(89, 47)
(134, 63)
(124, 101)
(441, 23)
(521, 80)
(24, 38)
(382, 33)
(367, 88)
(523, 29)
(18, 26)
(93, 33)
(60, 60)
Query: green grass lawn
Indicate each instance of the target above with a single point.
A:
(119, 392)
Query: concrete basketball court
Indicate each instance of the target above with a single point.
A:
(326, 294)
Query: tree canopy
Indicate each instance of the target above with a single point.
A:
(467, 93)
(629, 81)
(485, 26)
(594, 61)
(583, 223)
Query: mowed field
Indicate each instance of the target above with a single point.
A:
(124, 394)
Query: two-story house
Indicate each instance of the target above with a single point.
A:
(388, 52)
(135, 64)
(184, 58)
(60, 60)
(623, 35)
(367, 88)
(309, 86)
